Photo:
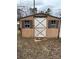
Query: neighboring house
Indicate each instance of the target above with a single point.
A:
(40, 25)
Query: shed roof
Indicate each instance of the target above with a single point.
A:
(42, 14)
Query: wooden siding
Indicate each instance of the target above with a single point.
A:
(27, 33)
(52, 33)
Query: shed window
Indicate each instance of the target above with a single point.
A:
(52, 24)
(27, 24)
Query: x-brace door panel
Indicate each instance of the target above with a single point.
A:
(40, 27)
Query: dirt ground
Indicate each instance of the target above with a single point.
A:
(46, 49)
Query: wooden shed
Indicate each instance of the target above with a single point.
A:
(40, 25)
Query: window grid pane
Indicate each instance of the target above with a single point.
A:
(52, 24)
(27, 24)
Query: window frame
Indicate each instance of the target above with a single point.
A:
(52, 24)
(27, 24)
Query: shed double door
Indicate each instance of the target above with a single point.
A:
(40, 27)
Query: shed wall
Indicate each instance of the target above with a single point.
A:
(28, 33)
(52, 33)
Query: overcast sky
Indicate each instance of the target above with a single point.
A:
(55, 5)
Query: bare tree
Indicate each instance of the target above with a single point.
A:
(48, 11)
(58, 13)
(19, 13)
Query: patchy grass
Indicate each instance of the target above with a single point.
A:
(47, 49)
